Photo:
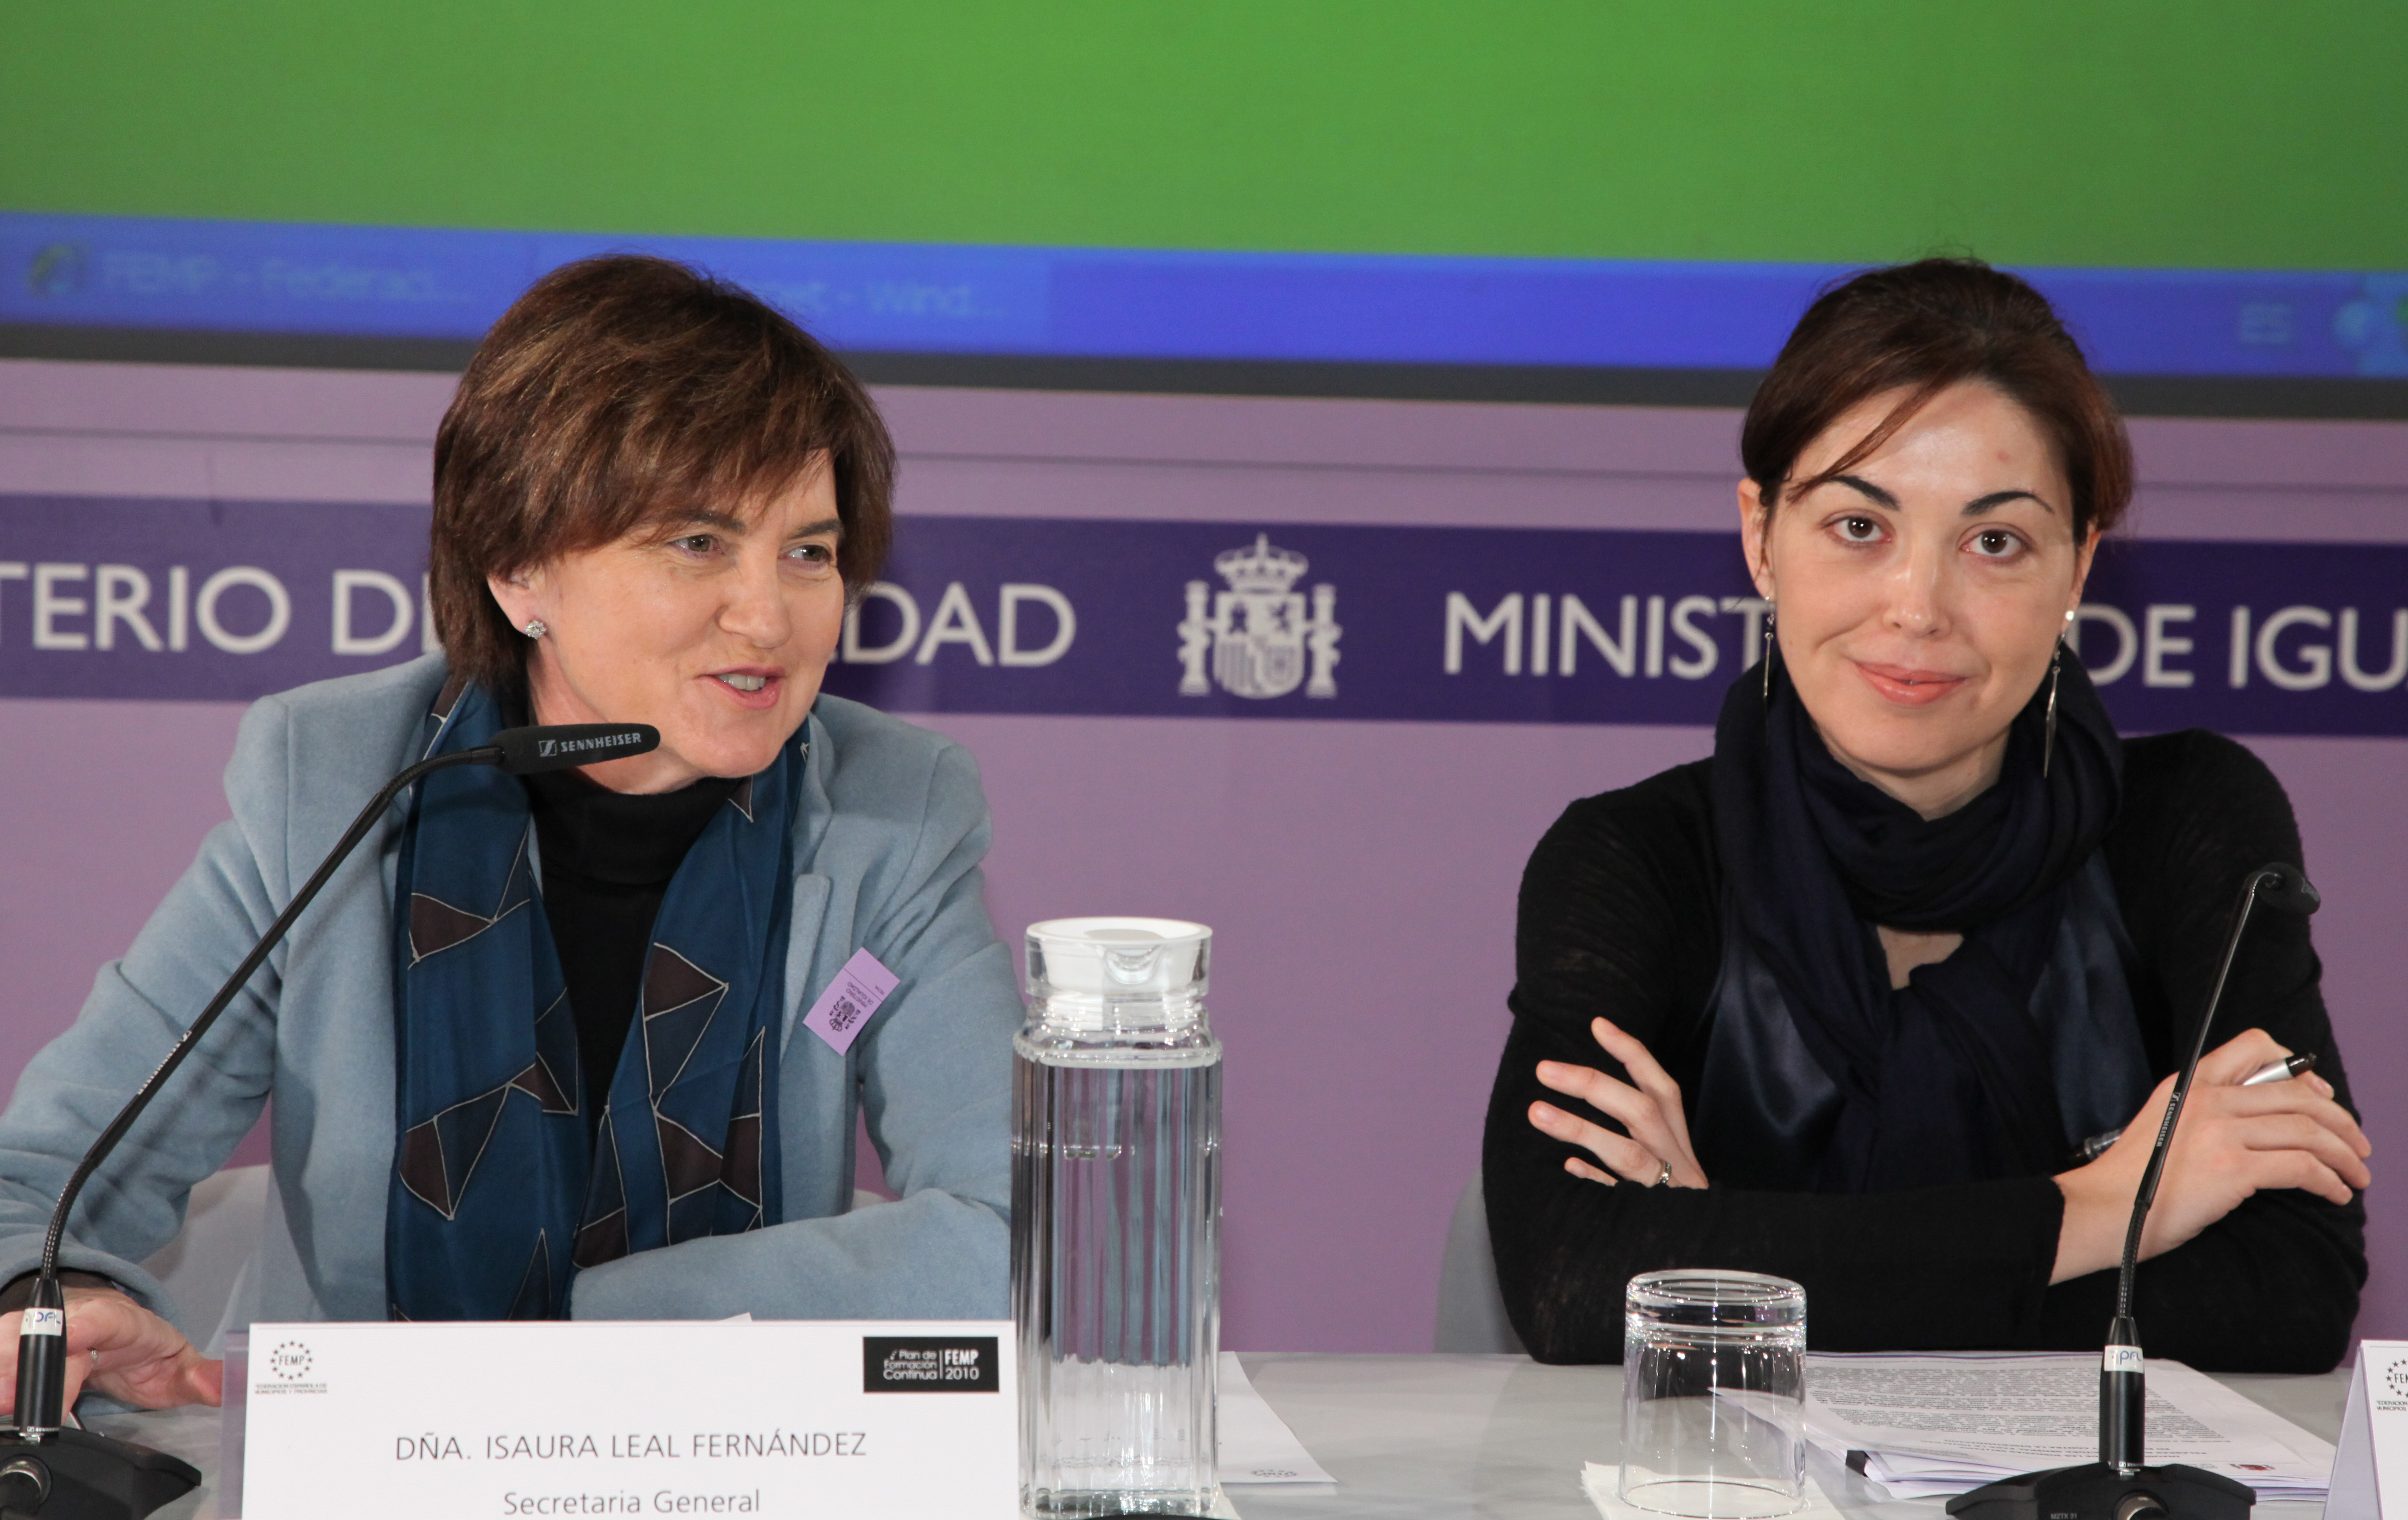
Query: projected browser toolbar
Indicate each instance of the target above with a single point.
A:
(445, 283)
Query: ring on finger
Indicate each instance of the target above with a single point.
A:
(1663, 1173)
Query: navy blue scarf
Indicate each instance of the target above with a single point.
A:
(1947, 1079)
(498, 1196)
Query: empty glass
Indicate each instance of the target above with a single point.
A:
(1713, 1395)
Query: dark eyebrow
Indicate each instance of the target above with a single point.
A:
(702, 517)
(1972, 509)
(1999, 498)
(1880, 497)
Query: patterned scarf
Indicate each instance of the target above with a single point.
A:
(498, 1196)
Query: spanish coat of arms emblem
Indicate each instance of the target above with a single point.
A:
(1260, 636)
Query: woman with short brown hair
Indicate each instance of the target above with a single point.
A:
(615, 393)
(541, 1049)
(1878, 984)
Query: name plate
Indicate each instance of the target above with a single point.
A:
(2370, 1474)
(403, 1422)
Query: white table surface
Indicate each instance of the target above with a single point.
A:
(1423, 1436)
(1442, 1436)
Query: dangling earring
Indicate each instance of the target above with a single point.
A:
(1767, 654)
(2048, 733)
(534, 628)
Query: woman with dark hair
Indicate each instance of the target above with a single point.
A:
(540, 1048)
(1863, 1000)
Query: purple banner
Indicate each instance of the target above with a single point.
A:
(229, 600)
(205, 601)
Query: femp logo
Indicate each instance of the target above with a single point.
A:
(291, 1367)
(929, 1364)
(291, 1361)
(2388, 1382)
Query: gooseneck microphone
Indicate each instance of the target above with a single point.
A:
(76, 1475)
(2119, 1485)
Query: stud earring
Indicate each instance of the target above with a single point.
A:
(534, 628)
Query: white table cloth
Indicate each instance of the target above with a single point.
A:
(1427, 1436)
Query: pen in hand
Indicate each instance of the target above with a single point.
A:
(2281, 1070)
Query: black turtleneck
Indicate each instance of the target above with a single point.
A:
(606, 860)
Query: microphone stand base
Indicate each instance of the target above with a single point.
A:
(2095, 1491)
(95, 1477)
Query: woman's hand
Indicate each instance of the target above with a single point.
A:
(2230, 1141)
(124, 1351)
(1656, 1149)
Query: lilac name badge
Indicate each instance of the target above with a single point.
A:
(848, 1002)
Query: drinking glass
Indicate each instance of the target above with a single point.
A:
(1713, 1395)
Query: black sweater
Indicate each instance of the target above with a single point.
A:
(1620, 915)
(608, 860)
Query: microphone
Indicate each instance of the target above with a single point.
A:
(77, 1474)
(562, 746)
(2119, 1486)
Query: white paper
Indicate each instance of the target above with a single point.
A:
(1256, 1446)
(1931, 1425)
(398, 1422)
(1599, 1479)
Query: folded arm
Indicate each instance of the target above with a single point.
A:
(1618, 921)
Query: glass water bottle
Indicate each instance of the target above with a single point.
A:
(1116, 1220)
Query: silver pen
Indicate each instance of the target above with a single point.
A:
(2281, 1070)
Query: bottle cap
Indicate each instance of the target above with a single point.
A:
(1119, 958)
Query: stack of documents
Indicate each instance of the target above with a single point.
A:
(1930, 1425)
(1257, 1445)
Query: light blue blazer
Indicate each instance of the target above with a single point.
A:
(888, 838)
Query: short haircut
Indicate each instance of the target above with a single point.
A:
(624, 391)
(1920, 328)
